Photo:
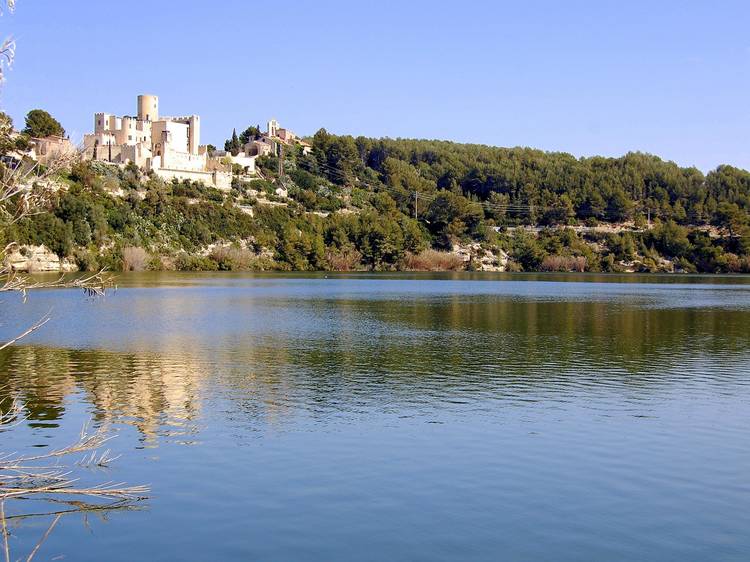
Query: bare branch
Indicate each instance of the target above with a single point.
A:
(6, 546)
(44, 538)
(34, 328)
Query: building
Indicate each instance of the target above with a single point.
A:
(245, 159)
(275, 137)
(168, 146)
(49, 149)
(259, 148)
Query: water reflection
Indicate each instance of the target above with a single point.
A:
(434, 419)
(155, 393)
(276, 358)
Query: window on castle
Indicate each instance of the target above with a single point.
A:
(130, 137)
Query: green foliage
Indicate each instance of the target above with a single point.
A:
(233, 145)
(41, 124)
(249, 134)
(526, 252)
(367, 203)
(450, 216)
(671, 239)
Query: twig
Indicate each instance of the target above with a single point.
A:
(6, 546)
(80, 507)
(44, 537)
(106, 491)
(34, 328)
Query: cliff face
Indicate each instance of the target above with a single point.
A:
(37, 259)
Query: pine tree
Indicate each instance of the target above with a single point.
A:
(236, 146)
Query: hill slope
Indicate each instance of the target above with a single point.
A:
(359, 203)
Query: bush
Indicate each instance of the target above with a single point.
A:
(737, 264)
(433, 260)
(563, 263)
(228, 258)
(134, 259)
(186, 262)
(86, 261)
(344, 259)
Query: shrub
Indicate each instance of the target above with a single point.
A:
(344, 259)
(433, 260)
(737, 264)
(86, 260)
(134, 259)
(228, 258)
(186, 262)
(563, 263)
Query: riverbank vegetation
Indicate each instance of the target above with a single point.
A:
(382, 204)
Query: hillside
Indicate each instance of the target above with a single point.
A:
(382, 204)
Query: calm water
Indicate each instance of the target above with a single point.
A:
(398, 417)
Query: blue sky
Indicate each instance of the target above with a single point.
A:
(666, 77)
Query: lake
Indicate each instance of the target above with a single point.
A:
(396, 417)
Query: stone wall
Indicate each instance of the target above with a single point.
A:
(219, 180)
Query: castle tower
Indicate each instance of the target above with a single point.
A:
(273, 127)
(148, 107)
(194, 134)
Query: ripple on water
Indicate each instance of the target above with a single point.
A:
(402, 419)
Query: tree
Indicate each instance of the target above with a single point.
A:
(619, 207)
(452, 216)
(233, 145)
(251, 133)
(41, 124)
(526, 252)
(730, 217)
(671, 239)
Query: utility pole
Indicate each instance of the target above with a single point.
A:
(281, 161)
(416, 203)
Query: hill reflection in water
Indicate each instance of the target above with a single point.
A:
(275, 417)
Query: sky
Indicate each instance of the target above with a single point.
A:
(586, 77)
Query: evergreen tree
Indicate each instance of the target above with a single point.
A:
(41, 124)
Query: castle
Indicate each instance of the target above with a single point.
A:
(168, 146)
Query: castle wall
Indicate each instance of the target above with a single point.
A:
(219, 180)
(172, 134)
(103, 152)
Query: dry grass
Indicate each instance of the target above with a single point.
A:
(134, 259)
(345, 259)
(737, 264)
(44, 477)
(433, 260)
(232, 259)
(564, 263)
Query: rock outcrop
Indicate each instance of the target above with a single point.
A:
(481, 259)
(37, 259)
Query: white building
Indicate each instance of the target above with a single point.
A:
(168, 146)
